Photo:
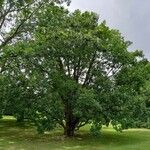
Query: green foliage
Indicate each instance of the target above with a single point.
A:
(95, 128)
(73, 71)
(17, 18)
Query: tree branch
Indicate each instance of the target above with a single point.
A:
(16, 30)
(89, 69)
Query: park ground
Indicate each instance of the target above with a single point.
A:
(15, 136)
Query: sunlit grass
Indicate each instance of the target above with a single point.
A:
(24, 137)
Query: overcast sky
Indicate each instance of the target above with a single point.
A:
(131, 17)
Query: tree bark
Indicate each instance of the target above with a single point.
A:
(69, 130)
(71, 121)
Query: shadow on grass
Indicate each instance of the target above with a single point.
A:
(21, 135)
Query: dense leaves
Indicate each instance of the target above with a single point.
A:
(73, 71)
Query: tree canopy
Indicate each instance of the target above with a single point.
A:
(74, 71)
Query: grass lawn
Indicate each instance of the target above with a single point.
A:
(18, 137)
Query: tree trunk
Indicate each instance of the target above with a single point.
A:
(20, 118)
(69, 129)
(71, 121)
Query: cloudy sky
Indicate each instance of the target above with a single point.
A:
(131, 17)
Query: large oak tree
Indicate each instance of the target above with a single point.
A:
(77, 71)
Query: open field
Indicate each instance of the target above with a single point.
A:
(23, 137)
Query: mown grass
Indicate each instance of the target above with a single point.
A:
(14, 136)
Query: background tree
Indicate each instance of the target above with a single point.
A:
(15, 14)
